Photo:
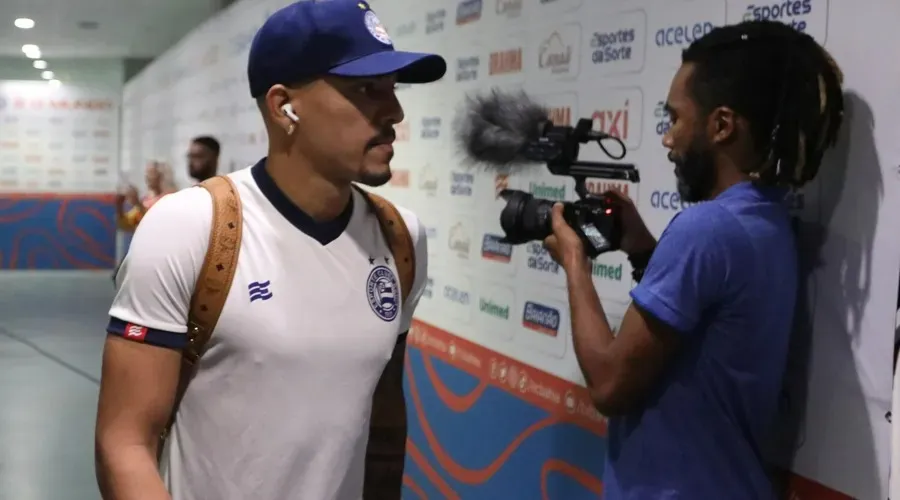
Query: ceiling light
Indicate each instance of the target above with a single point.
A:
(24, 23)
(30, 48)
(33, 55)
(40, 64)
(54, 83)
(47, 75)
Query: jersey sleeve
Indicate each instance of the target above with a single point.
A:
(688, 270)
(420, 241)
(157, 276)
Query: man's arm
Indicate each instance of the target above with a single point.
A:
(386, 451)
(684, 277)
(142, 354)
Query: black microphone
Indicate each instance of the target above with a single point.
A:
(502, 129)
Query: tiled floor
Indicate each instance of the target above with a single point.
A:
(51, 340)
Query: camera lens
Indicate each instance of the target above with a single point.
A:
(525, 218)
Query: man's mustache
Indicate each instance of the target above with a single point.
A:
(386, 137)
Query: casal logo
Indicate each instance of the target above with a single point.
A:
(555, 54)
(548, 191)
(428, 180)
(494, 249)
(613, 121)
(468, 11)
(459, 241)
(505, 62)
(541, 318)
(493, 308)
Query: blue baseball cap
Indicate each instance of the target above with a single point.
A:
(312, 38)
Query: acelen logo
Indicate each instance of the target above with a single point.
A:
(613, 121)
(505, 62)
(668, 200)
(494, 249)
(541, 318)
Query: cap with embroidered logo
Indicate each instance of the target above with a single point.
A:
(312, 38)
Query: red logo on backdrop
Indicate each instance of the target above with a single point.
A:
(135, 332)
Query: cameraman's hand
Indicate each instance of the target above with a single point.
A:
(564, 244)
(636, 238)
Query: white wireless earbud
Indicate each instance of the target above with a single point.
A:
(288, 111)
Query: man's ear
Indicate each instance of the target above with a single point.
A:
(722, 125)
(275, 99)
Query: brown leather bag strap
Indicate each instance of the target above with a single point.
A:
(213, 283)
(398, 239)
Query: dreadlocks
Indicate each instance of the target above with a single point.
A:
(783, 82)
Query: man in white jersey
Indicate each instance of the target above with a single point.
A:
(280, 404)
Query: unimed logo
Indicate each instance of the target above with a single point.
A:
(541, 318)
(555, 54)
(606, 271)
(551, 192)
(494, 249)
(492, 308)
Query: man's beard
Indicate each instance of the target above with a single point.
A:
(695, 172)
(375, 179)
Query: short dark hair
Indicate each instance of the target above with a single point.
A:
(208, 141)
(783, 83)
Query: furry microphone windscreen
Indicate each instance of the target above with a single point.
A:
(493, 128)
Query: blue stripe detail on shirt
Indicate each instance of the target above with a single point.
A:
(152, 336)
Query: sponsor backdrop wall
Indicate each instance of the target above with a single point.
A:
(497, 408)
(59, 152)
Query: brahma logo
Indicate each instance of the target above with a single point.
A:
(467, 68)
(509, 8)
(400, 178)
(600, 186)
(461, 183)
(454, 294)
(505, 62)
(434, 21)
(494, 249)
(561, 116)
(541, 318)
(431, 127)
(459, 241)
(555, 54)
(493, 308)
(468, 11)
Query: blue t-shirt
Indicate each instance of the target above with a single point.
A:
(724, 275)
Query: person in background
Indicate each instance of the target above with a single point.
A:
(311, 342)
(160, 182)
(692, 379)
(203, 158)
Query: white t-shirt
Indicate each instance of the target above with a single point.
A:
(280, 405)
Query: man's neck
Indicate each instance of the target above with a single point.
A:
(321, 199)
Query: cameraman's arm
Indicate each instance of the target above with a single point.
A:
(142, 355)
(685, 275)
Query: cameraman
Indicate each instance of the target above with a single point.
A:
(692, 377)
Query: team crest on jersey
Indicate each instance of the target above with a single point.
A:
(383, 293)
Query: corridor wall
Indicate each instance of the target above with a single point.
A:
(59, 151)
(496, 400)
